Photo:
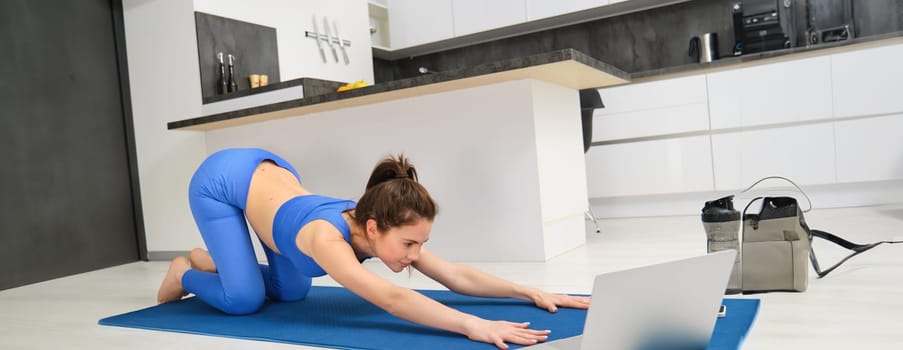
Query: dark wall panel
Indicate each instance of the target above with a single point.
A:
(66, 204)
(872, 17)
(254, 46)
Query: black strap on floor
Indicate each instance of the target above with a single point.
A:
(856, 248)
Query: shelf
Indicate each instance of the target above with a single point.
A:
(377, 10)
(380, 50)
(379, 21)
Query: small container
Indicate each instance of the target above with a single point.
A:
(704, 48)
(254, 80)
(264, 80)
(721, 223)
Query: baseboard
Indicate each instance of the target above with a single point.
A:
(823, 196)
(165, 255)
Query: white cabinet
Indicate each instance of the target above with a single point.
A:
(868, 82)
(804, 154)
(654, 95)
(655, 108)
(833, 121)
(416, 22)
(651, 167)
(537, 9)
(870, 149)
(777, 93)
(472, 16)
(654, 122)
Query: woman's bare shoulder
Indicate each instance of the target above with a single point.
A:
(315, 233)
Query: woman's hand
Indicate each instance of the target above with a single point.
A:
(501, 332)
(551, 302)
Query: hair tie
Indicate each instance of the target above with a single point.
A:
(401, 176)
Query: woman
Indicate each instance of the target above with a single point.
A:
(305, 235)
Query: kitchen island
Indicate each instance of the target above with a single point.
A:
(499, 146)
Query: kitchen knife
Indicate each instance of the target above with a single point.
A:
(341, 42)
(335, 54)
(319, 44)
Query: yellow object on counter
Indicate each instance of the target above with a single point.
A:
(354, 85)
(258, 80)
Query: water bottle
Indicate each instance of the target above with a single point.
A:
(722, 227)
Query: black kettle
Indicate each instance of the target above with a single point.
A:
(704, 48)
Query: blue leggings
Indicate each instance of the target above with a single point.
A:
(218, 195)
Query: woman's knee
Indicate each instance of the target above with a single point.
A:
(295, 290)
(244, 302)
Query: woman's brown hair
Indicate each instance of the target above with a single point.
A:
(393, 196)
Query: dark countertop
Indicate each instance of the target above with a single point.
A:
(733, 62)
(577, 70)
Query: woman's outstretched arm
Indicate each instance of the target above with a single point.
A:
(467, 280)
(327, 247)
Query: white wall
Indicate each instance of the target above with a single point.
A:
(164, 81)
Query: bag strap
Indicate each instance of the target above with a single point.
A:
(808, 200)
(856, 248)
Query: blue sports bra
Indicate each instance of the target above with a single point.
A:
(297, 212)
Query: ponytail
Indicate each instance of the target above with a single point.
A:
(393, 196)
(391, 168)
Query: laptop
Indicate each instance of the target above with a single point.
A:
(672, 305)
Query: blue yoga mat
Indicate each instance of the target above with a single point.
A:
(334, 317)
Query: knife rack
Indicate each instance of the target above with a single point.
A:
(332, 37)
(309, 34)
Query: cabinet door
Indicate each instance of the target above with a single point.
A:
(472, 16)
(416, 22)
(777, 93)
(804, 154)
(868, 82)
(870, 149)
(655, 108)
(537, 9)
(652, 167)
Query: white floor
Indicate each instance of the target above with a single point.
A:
(858, 306)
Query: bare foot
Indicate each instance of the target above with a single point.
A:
(201, 260)
(171, 288)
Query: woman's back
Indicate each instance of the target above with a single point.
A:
(271, 186)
